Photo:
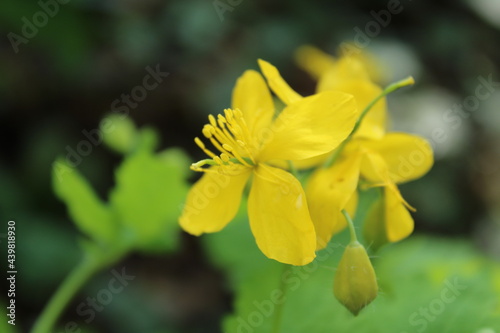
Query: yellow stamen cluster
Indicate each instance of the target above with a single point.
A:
(229, 135)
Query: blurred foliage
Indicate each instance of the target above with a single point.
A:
(144, 205)
(456, 287)
(66, 78)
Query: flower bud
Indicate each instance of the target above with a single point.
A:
(119, 133)
(355, 283)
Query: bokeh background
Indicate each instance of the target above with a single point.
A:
(63, 80)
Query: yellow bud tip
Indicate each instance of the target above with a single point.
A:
(408, 81)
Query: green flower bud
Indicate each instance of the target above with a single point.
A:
(355, 283)
(119, 133)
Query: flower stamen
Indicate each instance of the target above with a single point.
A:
(229, 134)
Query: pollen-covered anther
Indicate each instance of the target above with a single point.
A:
(200, 144)
(238, 113)
(212, 120)
(227, 147)
(221, 118)
(218, 160)
(229, 135)
(229, 114)
(207, 131)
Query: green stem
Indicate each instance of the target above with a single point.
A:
(73, 282)
(211, 162)
(90, 264)
(352, 231)
(278, 314)
(389, 89)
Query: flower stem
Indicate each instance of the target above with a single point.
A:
(90, 264)
(352, 231)
(390, 88)
(73, 282)
(278, 312)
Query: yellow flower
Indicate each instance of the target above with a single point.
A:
(247, 139)
(358, 62)
(394, 159)
(345, 75)
(378, 158)
(350, 75)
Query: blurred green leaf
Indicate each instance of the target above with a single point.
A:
(176, 157)
(89, 213)
(148, 140)
(147, 198)
(413, 277)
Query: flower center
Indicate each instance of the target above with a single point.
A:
(229, 134)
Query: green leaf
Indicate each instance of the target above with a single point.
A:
(251, 274)
(413, 275)
(147, 198)
(88, 212)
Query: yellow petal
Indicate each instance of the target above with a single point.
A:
(345, 69)
(313, 60)
(254, 99)
(310, 127)
(378, 73)
(398, 221)
(213, 201)
(328, 192)
(374, 168)
(279, 217)
(277, 84)
(374, 227)
(407, 156)
(364, 92)
(312, 162)
(308, 163)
